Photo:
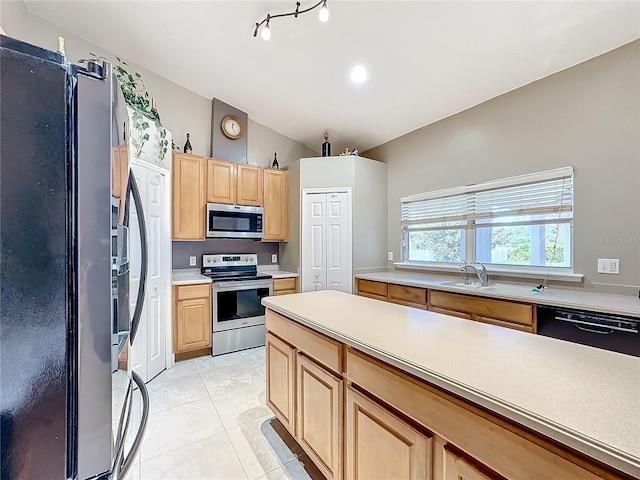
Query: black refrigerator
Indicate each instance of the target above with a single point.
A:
(66, 326)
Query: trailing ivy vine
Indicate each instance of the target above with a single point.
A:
(136, 96)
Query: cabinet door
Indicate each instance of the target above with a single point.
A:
(319, 416)
(457, 467)
(188, 197)
(192, 325)
(249, 185)
(381, 445)
(281, 381)
(221, 181)
(276, 206)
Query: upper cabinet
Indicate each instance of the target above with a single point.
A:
(189, 177)
(249, 185)
(200, 180)
(221, 181)
(276, 206)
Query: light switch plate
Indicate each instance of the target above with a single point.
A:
(274, 258)
(609, 265)
(192, 261)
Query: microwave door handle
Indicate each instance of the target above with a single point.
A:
(132, 187)
(135, 446)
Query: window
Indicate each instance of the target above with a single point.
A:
(515, 222)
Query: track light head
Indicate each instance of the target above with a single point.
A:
(265, 31)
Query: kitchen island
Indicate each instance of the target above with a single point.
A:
(368, 387)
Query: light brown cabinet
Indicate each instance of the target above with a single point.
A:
(371, 289)
(397, 426)
(314, 416)
(408, 296)
(319, 415)
(276, 206)
(189, 172)
(221, 181)
(379, 444)
(504, 313)
(458, 467)
(281, 380)
(285, 286)
(191, 318)
(249, 185)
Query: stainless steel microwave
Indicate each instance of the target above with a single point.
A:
(234, 221)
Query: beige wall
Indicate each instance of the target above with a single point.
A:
(181, 110)
(587, 116)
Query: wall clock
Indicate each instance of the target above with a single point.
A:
(229, 132)
(232, 127)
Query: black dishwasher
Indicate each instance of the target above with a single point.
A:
(602, 330)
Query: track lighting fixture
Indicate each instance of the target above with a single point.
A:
(265, 31)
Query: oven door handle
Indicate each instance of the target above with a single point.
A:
(231, 287)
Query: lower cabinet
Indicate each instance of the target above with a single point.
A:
(191, 318)
(281, 381)
(319, 415)
(457, 467)
(285, 286)
(381, 445)
(359, 418)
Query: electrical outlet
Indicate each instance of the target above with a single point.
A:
(390, 256)
(192, 261)
(609, 265)
(274, 258)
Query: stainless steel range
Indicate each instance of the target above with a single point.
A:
(237, 290)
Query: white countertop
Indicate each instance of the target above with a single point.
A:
(186, 276)
(583, 397)
(560, 297)
(275, 272)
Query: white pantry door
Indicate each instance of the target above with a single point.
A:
(326, 242)
(148, 356)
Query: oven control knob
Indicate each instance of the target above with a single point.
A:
(215, 260)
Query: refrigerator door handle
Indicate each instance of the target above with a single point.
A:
(132, 187)
(125, 462)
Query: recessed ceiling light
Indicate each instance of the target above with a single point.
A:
(358, 74)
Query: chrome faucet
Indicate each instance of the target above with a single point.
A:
(480, 270)
(465, 274)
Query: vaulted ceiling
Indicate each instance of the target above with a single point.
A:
(426, 60)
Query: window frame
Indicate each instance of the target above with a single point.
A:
(470, 226)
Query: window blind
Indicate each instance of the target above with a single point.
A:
(533, 194)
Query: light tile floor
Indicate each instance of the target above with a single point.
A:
(209, 420)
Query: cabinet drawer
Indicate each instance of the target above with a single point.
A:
(486, 307)
(320, 348)
(410, 296)
(502, 323)
(284, 284)
(371, 295)
(185, 292)
(372, 288)
(451, 313)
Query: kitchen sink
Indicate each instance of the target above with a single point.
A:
(468, 286)
(503, 288)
